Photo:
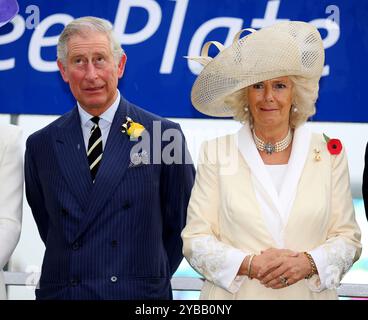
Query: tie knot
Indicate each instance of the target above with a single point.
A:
(95, 120)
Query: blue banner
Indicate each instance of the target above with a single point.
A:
(157, 34)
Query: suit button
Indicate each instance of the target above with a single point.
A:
(113, 279)
(76, 245)
(114, 243)
(64, 212)
(126, 205)
(74, 282)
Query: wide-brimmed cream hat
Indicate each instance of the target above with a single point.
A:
(290, 48)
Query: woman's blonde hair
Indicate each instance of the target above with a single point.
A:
(304, 96)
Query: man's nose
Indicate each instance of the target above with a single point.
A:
(91, 73)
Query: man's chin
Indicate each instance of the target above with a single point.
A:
(93, 104)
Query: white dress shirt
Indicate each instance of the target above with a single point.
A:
(277, 173)
(105, 122)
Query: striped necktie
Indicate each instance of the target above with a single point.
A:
(94, 153)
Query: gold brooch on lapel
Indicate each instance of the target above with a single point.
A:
(317, 155)
(132, 129)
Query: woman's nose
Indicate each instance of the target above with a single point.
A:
(268, 93)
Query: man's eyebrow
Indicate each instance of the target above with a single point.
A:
(75, 56)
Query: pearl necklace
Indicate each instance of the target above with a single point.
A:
(269, 147)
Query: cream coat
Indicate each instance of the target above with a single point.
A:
(234, 210)
(11, 194)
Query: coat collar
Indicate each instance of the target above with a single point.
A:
(72, 158)
(282, 203)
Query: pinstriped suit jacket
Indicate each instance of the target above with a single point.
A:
(118, 238)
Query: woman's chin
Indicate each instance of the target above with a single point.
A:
(269, 122)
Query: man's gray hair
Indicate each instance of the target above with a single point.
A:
(83, 25)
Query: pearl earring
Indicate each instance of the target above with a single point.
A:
(295, 109)
(246, 109)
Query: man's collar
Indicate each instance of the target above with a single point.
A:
(108, 115)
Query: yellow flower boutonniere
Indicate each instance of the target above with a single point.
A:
(132, 129)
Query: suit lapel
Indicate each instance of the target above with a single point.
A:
(264, 187)
(72, 158)
(298, 157)
(251, 156)
(114, 163)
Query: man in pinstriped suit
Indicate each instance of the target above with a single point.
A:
(111, 225)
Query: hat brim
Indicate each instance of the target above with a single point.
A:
(266, 54)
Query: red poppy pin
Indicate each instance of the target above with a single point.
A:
(334, 146)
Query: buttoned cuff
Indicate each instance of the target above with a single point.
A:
(229, 279)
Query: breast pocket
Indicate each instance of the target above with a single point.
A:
(142, 172)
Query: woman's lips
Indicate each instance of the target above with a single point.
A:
(268, 109)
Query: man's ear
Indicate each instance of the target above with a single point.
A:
(62, 71)
(121, 66)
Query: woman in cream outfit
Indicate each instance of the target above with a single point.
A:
(11, 194)
(271, 213)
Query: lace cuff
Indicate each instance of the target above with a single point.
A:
(217, 262)
(332, 260)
